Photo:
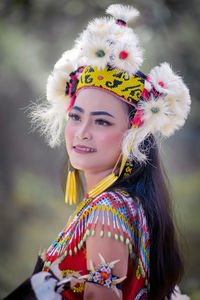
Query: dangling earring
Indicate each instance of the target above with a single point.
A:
(71, 188)
(110, 179)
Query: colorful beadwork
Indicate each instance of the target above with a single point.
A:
(129, 226)
(102, 275)
(142, 295)
(128, 168)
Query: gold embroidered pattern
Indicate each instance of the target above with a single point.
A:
(128, 87)
(79, 287)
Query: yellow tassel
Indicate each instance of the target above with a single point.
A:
(102, 185)
(109, 180)
(67, 188)
(124, 159)
(70, 188)
(74, 194)
(71, 192)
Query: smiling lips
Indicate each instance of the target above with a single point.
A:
(83, 149)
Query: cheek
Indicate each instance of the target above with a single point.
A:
(111, 140)
(110, 147)
(69, 134)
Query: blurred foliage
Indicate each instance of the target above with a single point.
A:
(33, 35)
(186, 191)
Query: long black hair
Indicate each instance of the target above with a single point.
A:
(148, 183)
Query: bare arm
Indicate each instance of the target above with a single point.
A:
(111, 250)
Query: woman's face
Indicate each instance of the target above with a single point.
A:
(95, 130)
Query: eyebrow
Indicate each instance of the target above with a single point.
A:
(100, 113)
(94, 113)
(78, 108)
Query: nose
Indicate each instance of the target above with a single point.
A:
(84, 132)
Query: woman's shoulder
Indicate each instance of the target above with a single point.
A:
(125, 210)
(121, 202)
(129, 224)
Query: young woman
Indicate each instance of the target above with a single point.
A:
(120, 242)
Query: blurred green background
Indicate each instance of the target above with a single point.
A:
(33, 35)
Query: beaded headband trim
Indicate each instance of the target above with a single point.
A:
(121, 84)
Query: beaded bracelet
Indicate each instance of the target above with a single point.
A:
(102, 275)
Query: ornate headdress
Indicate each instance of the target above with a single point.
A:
(107, 55)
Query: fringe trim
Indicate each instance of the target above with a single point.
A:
(67, 244)
(84, 221)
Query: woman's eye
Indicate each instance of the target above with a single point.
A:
(74, 117)
(102, 122)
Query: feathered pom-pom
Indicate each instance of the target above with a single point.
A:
(64, 68)
(163, 113)
(49, 119)
(177, 96)
(122, 12)
(97, 52)
(164, 79)
(127, 56)
(133, 140)
(101, 27)
(56, 85)
(68, 61)
(156, 113)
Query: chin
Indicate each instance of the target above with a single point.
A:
(79, 166)
(82, 164)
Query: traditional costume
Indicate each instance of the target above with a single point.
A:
(107, 56)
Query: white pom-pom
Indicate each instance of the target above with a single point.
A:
(127, 55)
(56, 85)
(97, 52)
(161, 113)
(164, 79)
(176, 93)
(49, 119)
(133, 140)
(155, 113)
(122, 12)
(100, 27)
(69, 61)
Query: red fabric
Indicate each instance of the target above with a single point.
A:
(130, 286)
(74, 263)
